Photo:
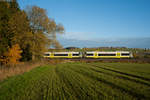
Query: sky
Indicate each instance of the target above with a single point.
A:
(88, 21)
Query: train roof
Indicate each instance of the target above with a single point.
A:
(108, 51)
(89, 52)
(61, 52)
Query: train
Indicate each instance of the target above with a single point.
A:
(89, 54)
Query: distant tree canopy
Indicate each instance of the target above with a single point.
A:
(30, 29)
(69, 48)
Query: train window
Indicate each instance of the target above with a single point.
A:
(106, 54)
(60, 54)
(47, 54)
(75, 54)
(89, 54)
(125, 54)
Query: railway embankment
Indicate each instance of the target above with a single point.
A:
(88, 60)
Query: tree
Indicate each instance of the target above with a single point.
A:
(7, 9)
(13, 55)
(19, 28)
(42, 27)
(31, 30)
(21, 33)
(4, 17)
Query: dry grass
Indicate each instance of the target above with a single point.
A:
(11, 70)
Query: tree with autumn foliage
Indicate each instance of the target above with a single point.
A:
(7, 9)
(44, 30)
(13, 55)
(27, 33)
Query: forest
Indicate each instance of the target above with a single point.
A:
(25, 34)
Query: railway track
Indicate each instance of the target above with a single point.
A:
(132, 60)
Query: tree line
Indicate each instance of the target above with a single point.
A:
(25, 34)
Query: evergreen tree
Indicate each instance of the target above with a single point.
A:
(5, 14)
(7, 9)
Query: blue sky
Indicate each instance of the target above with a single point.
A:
(98, 19)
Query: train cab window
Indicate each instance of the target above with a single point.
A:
(90, 54)
(47, 54)
(125, 54)
(60, 54)
(75, 54)
(106, 54)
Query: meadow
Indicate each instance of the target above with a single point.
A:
(80, 81)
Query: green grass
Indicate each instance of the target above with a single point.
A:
(80, 81)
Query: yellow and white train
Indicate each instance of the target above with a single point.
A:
(91, 54)
(62, 55)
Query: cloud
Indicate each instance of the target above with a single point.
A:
(106, 42)
(87, 39)
(76, 35)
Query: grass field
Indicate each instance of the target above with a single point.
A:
(80, 81)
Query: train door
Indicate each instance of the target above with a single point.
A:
(118, 54)
(70, 55)
(95, 55)
(52, 55)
